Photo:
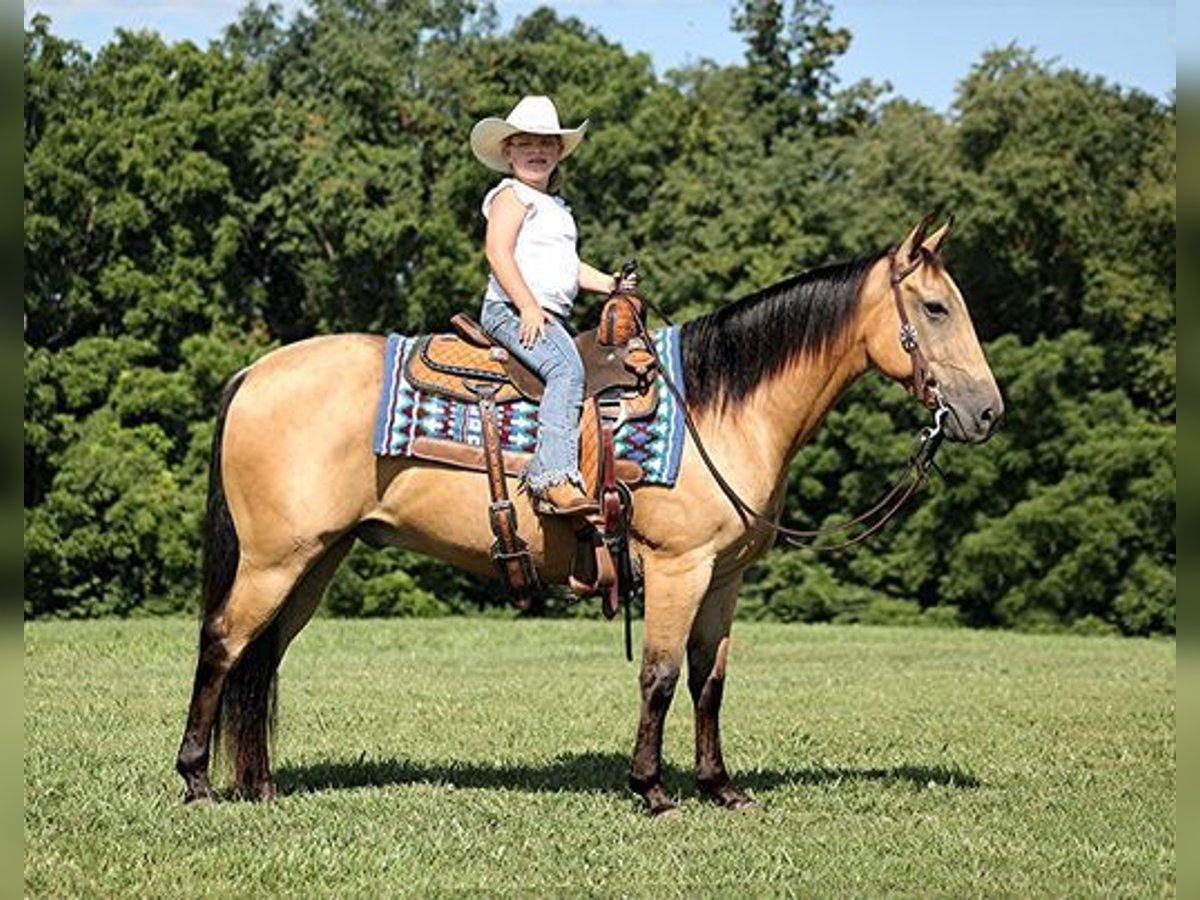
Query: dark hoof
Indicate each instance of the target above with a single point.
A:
(726, 795)
(658, 802)
(264, 792)
(660, 805)
(740, 804)
(197, 790)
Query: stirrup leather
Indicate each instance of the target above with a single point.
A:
(509, 551)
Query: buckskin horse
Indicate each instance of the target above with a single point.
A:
(294, 482)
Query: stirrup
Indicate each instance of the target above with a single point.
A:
(593, 570)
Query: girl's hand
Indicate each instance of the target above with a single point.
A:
(533, 325)
(625, 284)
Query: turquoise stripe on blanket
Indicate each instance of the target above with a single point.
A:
(406, 413)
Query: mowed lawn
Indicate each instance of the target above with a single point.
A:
(489, 756)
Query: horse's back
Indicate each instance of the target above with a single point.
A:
(319, 362)
(313, 384)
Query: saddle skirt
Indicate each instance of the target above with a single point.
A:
(428, 411)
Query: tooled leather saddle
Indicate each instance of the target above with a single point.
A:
(620, 385)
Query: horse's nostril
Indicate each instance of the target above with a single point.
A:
(990, 419)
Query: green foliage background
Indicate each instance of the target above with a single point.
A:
(188, 209)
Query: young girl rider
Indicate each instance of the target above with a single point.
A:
(535, 273)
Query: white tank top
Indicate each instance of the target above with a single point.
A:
(545, 253)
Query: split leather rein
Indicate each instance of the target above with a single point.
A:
(929, 439)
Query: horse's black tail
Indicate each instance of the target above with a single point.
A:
(246, 724)
(247, 715)
(219, 548)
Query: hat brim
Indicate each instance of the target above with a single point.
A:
(488, 135)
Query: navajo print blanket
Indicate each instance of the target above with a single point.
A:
(405, 413)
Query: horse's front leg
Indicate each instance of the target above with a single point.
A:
(708, 647)
(674, 590)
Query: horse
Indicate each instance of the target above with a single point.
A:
(294, 483)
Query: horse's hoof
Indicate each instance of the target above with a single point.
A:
(724, 794)
(659, 803)
(740, 803)
(196, 790)
(661, 806)
(668, 812)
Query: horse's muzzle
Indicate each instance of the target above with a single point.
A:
(974, 419)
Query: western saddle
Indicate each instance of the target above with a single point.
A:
(620, 385)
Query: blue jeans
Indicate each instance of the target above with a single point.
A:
(556, 358)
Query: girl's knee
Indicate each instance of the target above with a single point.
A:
(571, 378)
(569, 365)
(566, 365)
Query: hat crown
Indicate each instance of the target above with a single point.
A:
(536, 115)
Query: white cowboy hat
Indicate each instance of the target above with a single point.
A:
(533, 115)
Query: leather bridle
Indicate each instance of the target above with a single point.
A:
(923, 385)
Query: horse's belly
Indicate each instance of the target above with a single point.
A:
(443, 512)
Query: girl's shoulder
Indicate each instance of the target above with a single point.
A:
(531, 198)
(524, 193)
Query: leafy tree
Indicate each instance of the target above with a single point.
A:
(789, 63)
(1052, 163)
(1097, 505)
(115, 533)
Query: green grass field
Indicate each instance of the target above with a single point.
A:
(489, 756)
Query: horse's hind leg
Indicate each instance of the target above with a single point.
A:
(192, 760)
(226, 634)
(309, 590)
(239, 656)
(708, 646)
(248, 709)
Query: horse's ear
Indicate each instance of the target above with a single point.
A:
(911, 245)
(936, 241)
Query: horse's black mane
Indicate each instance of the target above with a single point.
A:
(728, 353)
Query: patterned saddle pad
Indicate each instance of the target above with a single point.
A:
(407, 413)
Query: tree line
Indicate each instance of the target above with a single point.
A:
(186, 209)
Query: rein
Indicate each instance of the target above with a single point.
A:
(929, 439)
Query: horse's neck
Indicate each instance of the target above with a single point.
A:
(764, 434)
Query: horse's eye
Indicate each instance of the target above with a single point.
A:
(935, 309)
